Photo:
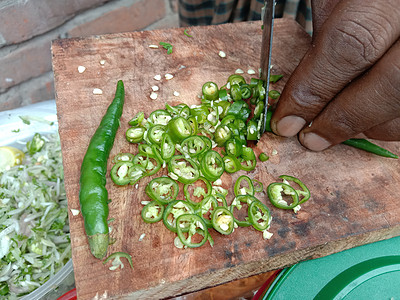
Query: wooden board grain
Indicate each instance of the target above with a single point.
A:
(354, 194)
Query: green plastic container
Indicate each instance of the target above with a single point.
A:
(367, 272)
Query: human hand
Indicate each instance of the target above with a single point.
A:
(348, 83)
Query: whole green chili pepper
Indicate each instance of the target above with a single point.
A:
(370, 147)
(93, 195)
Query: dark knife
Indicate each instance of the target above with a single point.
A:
(266, 49)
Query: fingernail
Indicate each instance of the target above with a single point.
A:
(313, 141)
(288, 126)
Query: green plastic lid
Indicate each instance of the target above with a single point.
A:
(366, 272)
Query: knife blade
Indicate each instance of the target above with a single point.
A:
(266, 49)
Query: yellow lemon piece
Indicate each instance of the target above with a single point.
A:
(9, 157)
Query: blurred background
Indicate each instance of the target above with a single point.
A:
(27, 28)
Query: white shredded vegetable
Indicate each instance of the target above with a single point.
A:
(34, 228)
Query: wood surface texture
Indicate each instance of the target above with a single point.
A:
(354, 194)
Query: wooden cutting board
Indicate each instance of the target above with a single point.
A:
(354, 195)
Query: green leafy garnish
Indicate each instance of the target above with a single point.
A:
(16, 130)
(167, 46)
(186, 33)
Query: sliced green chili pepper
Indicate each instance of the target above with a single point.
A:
(185, 170)
(252, 131)
(36, 144)
(173, 210)
(275, 190)
(222, 135)
(223, 94)
(273, 94)
(223, 220)
(162, 189)
(179, 128)
(123, 157)
(120, 171)
(152, 212)
(246, 91)
(231, 163)
(185, 111)
(160, 117)
(305, 192)
(248, 159)
(191, 224)
(200, 113)
(93, 195)
(212, 165)
(234, 147)
(135, 173)
(210, 91)
(118, 255)
(145, 150)
(259, 215)
(167, 147)
(193, 146)
(236, 93)
(258, 186)
(237, 204)
(239, 189)
(275, 78)
(198, 191)
(369, 147)
(155, 133)
(259, 109)
(206, 208)
(236, 79)
(223, 107)
(135, 134)
(193, 123)
(137, 120)
(263, 157)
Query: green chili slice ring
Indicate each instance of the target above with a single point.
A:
(120, 171)
(305, 192)
(199, 193)
(241, 189)
(179, 128)
(142, 160)
(173, 210)
(135, 134)
(194, 124)
(236, 93)
(188, 226)
(234, 147)
(210, 91)
(135, 173)
(167, 147)
(155, 134)
(137, 119)
(152, 212)
(240, 215)
(153, 165)
(162, 189)
(160, 117)
(258, 186)
(222, 135)
(193, 145)
(259, 215)
(206, 208)
(145, 150)
(222, 220)
(212, 165)
(236, 79)
(252, 131)
(275, 190)
(123, 156)
(231, 163)
(183, 169)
